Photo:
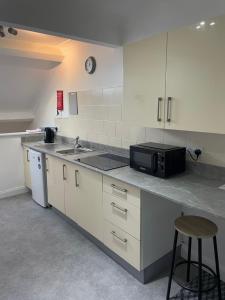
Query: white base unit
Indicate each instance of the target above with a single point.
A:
(38, 178)
(139, 226)
(134, 227)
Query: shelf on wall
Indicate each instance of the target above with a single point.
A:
(16, 117)
(31, 51)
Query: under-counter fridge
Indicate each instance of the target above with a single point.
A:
(38, 178)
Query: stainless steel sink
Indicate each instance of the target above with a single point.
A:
(73, 151)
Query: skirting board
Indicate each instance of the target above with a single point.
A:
(13, 192)
(147, 275)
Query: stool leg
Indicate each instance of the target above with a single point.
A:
(172, 264)
(217, 267)
(199, 269)
(189, 259)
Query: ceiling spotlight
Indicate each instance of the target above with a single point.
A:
(212, 23)
(2, 33)
(202, 23)
(12, 31)
(198, 27)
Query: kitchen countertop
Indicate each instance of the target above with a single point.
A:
(20, 134)
(186, 189)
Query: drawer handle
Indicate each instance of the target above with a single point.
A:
(118, 237)
(118, 188)
(114, 205)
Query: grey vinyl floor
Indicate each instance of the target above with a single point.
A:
(43, 257)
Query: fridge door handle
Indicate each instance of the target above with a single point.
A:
(28, 160)
(46, 160)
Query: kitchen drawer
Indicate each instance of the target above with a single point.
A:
(122, 244)
(122, 214)
(121, 190)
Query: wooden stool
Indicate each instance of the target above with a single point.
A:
(200, 228)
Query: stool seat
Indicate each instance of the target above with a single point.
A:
(197, 227)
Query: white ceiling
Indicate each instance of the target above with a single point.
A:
(112, 22)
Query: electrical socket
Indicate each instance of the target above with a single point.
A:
(195, 153)
(193, 149)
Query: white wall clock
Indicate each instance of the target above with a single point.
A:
(90, 65)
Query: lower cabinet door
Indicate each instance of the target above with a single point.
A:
(73, 205)
(122, 244)
(83, 199)
(56, 174)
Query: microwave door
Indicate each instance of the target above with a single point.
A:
(145, 161)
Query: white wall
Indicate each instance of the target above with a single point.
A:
(11, 166)
(71, 76)
(21, 82)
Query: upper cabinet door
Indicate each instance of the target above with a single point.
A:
(144, 81)
(196, 78)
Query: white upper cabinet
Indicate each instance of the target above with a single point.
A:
(144, 81)
(186, 68)
(196, 78)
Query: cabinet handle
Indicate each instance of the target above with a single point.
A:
(114, 205)
(64, 177)
(27, 155)
(46, 162)
(118, 237)
(159, 119)
(169, 100)
(76, 178)
(118, 188)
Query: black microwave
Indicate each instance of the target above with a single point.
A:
(159, 160)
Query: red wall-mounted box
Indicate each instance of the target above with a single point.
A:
(60, 104)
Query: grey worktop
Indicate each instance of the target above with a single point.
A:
(187, 189)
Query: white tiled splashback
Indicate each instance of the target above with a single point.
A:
(100, 120)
